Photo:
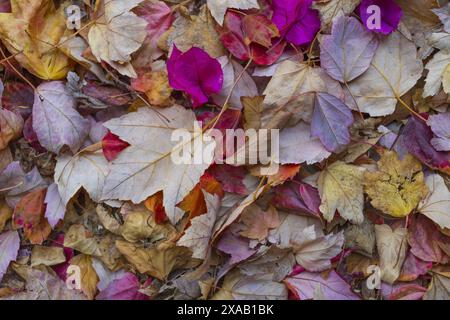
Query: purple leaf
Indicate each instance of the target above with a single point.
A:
(330, 121)
(9, 247)
(390, 15)
(231, 178)
(417, 137)
(414, 267)
(298, 197)
(235, 246)
(401, 291)
(195, 73)
(56, 209)
(126, 288)
(297, 22)
(307, 285)
(426, 240)
(55, 120)
(348, 51)
(19, 183)
(440, 125)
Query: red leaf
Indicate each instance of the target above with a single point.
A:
(112, 145)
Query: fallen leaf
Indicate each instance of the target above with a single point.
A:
(87, 170)
(55, 208)
(196, 31)
(392, 246)
(9, 248)
(393, 71)
(436, 68)
(132, 169)
(259, 222)
(307, 286)
(116, 34)
(330, 121)
(48, 256)
(398, 185)
(436, 205)
(198, 236)
(89, 278)
(55, 119)
(348, 40)
(440, 125)
(29, 215)
(218, 8)
(300, 138)
(158, 263)
(11, 126)
(341, 189)
(34, 39)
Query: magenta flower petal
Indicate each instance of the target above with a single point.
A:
(297, 22)
(390, 12)
(195, 73)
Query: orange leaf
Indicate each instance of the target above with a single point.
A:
(29, 215)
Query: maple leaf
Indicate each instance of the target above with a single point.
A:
(393, 71)
(330, 9)
(41, 285)
(314, 286)
(87, 170)
(196, 31)
(392, 246)
(300, 137)
(437, 75)
(89, 278)
(341, 189)
(55, 119)
(148, 167)
(9, 247)
(29, 215)
(11, 126)
(34, 39)
(259, 222)
(348, 40)
(116, 34)
(436, 205)
(289, 96)
(398, 186)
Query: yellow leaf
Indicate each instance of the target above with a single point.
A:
(31, 31)
(398, 186)
(340, 188)
(89, 278)
(157, 262)
(196, 31)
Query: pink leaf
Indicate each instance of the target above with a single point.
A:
(126, 288)
(307, 285)
(425, 240)
(195, 73)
